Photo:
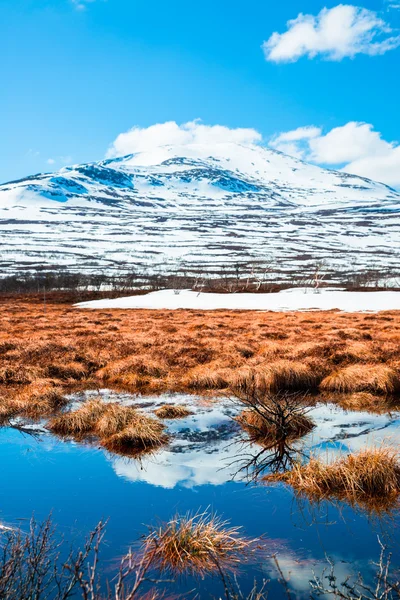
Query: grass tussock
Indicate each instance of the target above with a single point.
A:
(197, 351)
(40, 399)
(365, 401)
(143, 434)
(280, 376)
(196, 545)
(172, 411)
(78, 422)
(294, 425)
(377, 379)
(114, 419)
(370, 477)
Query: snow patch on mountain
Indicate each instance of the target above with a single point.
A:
(243, 204)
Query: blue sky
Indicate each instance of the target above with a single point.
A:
(74, 75)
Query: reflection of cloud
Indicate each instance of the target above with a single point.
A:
(198, 466)
(299, 572)
(339, 431)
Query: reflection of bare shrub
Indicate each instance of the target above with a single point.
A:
(369, 477)
(276, 422)
(270, 417)
(196, 544)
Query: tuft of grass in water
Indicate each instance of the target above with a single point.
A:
(365, 401)
(272, 425)
(114, 419)
(172, 411)
(270, 417)
(370, 477)
(143, 434)
(377, 379)
(195, 544)
(80, 421)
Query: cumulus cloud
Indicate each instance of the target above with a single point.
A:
(292, 142)
(336, 33)
(354, 147)
(140, 139)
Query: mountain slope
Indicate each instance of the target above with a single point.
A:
(242, 205)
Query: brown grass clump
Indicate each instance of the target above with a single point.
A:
(206, 378)
(378, 379)
(39, 399)
(273, 429)
(114, 419)
(280, 376)
(195, 351)
(197, 545)
(18, 375)
(80, 421)
(365, 401)
(270, 417)
(370, 477)
(143, 434)
(172, 411)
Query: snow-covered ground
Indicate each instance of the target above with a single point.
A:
(293, 299)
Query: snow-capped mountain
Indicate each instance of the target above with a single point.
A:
(179, 205)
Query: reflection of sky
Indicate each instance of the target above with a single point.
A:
(339, 431)
(205, 446)
(81, 483)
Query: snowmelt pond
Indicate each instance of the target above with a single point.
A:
(209, 464)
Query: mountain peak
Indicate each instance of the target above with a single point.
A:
(240, 204)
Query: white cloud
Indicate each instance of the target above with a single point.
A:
(291, 142)
(50, 161)
(140, 139)
(354, 147)
(336, 33)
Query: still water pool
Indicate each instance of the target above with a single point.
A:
(207, 466)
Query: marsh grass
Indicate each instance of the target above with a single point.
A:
(40, 399)
(270, 417)
(196, 544)
(370, 477)
(78, 422)
(172, 411)
(114, 419)
(143, 434)
(376, 379)
(365, 401)
(273, 426)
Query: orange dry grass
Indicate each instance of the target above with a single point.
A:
(193, 350)
(143, 433)
(365, 401)
(370, 477)
(80, 421)
(114, 419)
(261, 429)
(172, 411)
(378, 379)
(197, 545)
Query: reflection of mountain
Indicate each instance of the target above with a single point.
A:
(202, 448)
(208, 449)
